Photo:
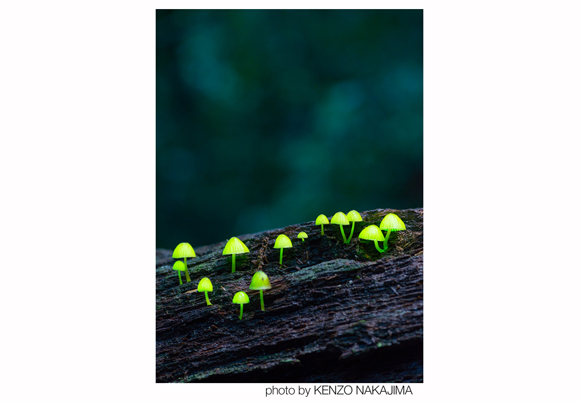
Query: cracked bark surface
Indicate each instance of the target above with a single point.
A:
(336, 312)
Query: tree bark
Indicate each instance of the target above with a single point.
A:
(335, 313)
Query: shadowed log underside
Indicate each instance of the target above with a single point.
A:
(336, 312)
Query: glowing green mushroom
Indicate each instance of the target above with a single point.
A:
(282, 242)
(179, 266)
(302, 235)
(241, 298)
(353, 216)
(184, 250)
(260, 282)
(235, 246)
(373, 232)
(322, 220)
(205, 286)
(391, 223)
(340, 218)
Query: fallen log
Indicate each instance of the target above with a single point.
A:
(336, 312)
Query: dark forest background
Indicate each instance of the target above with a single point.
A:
(267, 118)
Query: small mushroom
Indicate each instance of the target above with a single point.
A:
(235, 246)
(391, 223)
(179, 266)
(302, 235)
(373, 232)
(260, 281)
(184, 250)
(282, 242)
(353, 216)
(205, 286)
(241, 298)
(340, 218)
(322, 220)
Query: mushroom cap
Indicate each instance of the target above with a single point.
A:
(302, 235)
(283, 241)
(371, 232)
(183, 250)
(340, 218)
(354, 216)
(392, 222)
(260, 281)
(205, 285)
(235, 246)
(241, 298)
(179, 265)
(322, 220)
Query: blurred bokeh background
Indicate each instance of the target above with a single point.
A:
(267, 118)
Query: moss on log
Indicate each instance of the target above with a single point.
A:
(336, 312)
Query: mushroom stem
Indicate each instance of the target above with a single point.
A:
(386, 239)
(180, 281)
(378, 248)
(342, 231)
(186, 271)
(322, 227)
(281, 252)
(241, 310)
(351, 232)
(207, 299)
(262, 299)
(233, 263)
(302, 239)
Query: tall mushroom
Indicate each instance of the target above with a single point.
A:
(260, 281)
(282, 242)
(353, 216)
(235, 246)
(373, 233)
(184, 250)
(340, 218)
(322, 220)
(391, 223)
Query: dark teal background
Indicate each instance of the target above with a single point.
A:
(267, 118)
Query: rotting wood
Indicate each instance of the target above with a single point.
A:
(336, 312)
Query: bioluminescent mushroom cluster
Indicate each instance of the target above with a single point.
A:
(260, 281)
